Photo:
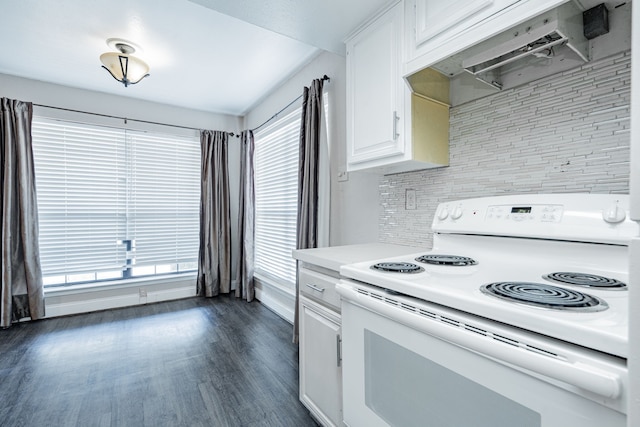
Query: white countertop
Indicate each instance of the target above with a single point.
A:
(334, 257)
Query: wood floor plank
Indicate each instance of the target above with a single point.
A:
(192, 362)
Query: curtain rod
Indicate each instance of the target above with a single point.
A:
(324, 78)
(124, 118)
(288, 105)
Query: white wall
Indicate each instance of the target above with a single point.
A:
(59, 96)
(354, 202)
(70, 301)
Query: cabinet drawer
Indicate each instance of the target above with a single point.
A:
(319, 287)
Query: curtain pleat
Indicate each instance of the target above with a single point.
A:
(246, 220)
(214, 256)
(22, 288)
(307, 221)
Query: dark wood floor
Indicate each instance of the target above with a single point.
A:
(192, 362)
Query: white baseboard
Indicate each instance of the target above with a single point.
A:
(277, 301)
(87, 300)
(67, 302)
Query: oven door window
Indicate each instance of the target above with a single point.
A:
(406, 389)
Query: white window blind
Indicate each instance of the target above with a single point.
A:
(165, 199)
(114, 203)
(276, 192)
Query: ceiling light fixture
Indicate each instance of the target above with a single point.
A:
(122, 66)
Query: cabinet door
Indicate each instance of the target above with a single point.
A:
(320, 362)
(375, 89)
(436, 16)
(437, 30)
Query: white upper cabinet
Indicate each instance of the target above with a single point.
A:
(437, 29)
(437, 17)
(375, 92)
(389, 129)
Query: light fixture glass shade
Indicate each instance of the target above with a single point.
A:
(124, 68)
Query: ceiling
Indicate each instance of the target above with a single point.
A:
(221, 56)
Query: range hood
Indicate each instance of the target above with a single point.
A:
(556, 32)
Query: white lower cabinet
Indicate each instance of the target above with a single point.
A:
(320, 362)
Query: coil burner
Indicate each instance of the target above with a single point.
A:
(544, 296)
(397, 267)
(454, 260)
(585, 280)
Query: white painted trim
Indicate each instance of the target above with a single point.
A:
(280, 301)
(75, 300)
(121, 284)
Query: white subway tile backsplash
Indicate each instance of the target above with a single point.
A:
(563, 133)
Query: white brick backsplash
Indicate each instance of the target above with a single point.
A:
(564, 133)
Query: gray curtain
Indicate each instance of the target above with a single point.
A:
(22, 290)
(244, 266)
(214, 257)
(308, 175)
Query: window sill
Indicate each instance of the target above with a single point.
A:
(118, 284)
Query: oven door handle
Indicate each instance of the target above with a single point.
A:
(582, 375)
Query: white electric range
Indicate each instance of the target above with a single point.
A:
(530, 288)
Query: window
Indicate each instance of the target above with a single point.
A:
(114, 203)
(276, 192)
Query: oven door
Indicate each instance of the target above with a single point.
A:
(400, 375)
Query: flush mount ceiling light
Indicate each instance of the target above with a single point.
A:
(122, 66)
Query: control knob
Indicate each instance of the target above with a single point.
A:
(443, 214)
(457, 213)
(614, 214)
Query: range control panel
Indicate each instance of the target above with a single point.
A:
(500, 213)
(524, 213)
(599, 218)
